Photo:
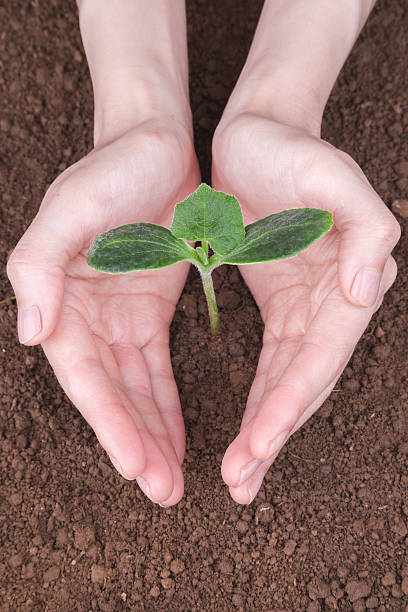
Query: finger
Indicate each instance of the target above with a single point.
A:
(248, 472)
(239, 462)
(157, 356)
(246, 493)
(368, 229)
(269, 348)
(36, 267)
(319, 361)
(156, 480)
(162, 478)
(77, 363)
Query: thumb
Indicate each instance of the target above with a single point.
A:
(36, 269)
(369, 231)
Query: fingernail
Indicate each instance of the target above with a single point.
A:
(365, 287)
(276, 444)
(29, 323)
(251, 496)
(248, 470)
(144, 485)
(118, 467)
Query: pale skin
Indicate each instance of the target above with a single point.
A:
(106, 337)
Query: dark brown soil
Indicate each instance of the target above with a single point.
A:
(328, 530)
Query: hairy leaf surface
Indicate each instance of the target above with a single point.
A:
(211, 216)
(137, 246)
(280, 235)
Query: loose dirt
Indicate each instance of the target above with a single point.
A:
(328, 530)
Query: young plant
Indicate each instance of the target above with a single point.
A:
(215, 219)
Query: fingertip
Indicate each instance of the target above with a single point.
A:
(176, 494)
(130, 467)
(229, 472)
(237, 463)
(157, 488)
(235, 472)
(241, 495)
(246, 493)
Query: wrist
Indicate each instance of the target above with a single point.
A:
(270, 91)
(137, 58)
(136, 101)
(296, 55)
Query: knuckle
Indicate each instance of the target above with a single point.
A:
(18, 263)
(389, 231)
(13, 264)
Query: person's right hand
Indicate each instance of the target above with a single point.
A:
(106, 336)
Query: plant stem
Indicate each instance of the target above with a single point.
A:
(204, 244)
(211, 302)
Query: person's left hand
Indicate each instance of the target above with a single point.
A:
(316, 305)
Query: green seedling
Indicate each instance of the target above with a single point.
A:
(215, 219)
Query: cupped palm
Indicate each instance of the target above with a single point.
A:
(311, 324)
(110, 348)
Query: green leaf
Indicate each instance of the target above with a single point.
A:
(280, 236)
(210, 216)
(137, 246)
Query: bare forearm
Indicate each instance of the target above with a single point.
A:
(297, 53)
(137, 55)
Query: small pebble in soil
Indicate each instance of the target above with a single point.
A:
(400, 207)
(229, 300)
(16, 499)
(188, 304)
(396, 591)
(388, 579)
(167, 583)
(155, 592)
(30, 361)
(51, 574)
(98, 573)
(351, 385)
(15, 560)
(357, 590)
(84, 536)
(28, 571)
(401, 168)
(236, 349)
(177, 566)
(359, 606)
(372, 603)
(314, 606)
(226, 567)
(62, 538)
(318, 589)
(289, 548)
(105, 469)
(242, 527)
(399, 527)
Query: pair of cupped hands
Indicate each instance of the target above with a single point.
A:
(107, 337)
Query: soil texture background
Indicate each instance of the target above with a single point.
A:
(328, 530)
